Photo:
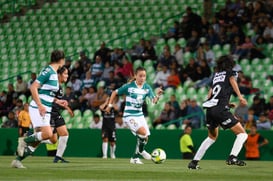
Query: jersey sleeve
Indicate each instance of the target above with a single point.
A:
(123, 90)
(44, 76)
(151, 94)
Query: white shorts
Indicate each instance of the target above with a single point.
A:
(37, 120)
(136, 122)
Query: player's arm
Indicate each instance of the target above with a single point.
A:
(235, 87)
(35, 96)
(209, 93)
(102, 106)
(71, 113)
(111, 100)
(156, 98)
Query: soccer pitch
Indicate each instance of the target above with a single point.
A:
(42, 168)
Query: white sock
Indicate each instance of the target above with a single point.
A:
(203, 148)
(238, 144)
(113, 150)
(46, 141)
(39, 136)
(104, 149)
(61, 146)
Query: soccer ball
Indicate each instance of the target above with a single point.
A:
(158, 155)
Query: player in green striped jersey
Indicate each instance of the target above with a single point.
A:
(136, 92)
(43, 91)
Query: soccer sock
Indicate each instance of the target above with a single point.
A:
(113, 150)
(61, 146)
(46, 141)
(141, 142)
(203, 148)
(238, 144)
(34, 137)
(104, 148)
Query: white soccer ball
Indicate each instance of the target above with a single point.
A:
(158, 155)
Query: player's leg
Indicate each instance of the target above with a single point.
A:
(212, 136)
(104, 147)
(62, 143)
(241, 137)
(112, 140)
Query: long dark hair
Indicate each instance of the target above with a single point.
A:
(225, 63)
(61, 70)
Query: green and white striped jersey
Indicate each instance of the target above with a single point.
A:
(48, 80)
(135, 97)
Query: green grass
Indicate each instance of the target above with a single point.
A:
(42, 168)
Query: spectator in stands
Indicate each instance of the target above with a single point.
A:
(75, 84)
(3, 99)
(11, 122)
(253, 143)
(104, 52)
(196, 114)
(33, 77)
(258, 105)
(212, 37)
(85, 63)
(88, 81)
(20, 86)
(97, 69)
(251, 119)
(244, 49)
(193, 42)
(190, 71)
(96, 123)
(165, 116)
(205, 24)
(209, 55)
(83, 99)
(258, 51)
(269, 108)
(137, 50)
(268, 32)
(193, 17)
(178, 54)
(76, 70)
(183, 108)
(148, 52)
(263, 123)
(173, 32)
(173, 79)
(241, 112)
(106, 71)
(71, 98)
(116, 56)
(166, 59)
(98, 99)
(111, 82)
(19, 106)
(161, 77)
(127, 68)
(11, 96)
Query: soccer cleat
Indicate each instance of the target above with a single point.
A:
(17, 164)
(136, 161)
(146, 155)
(58, 159)
(233, 160)
(193, 165)
(21, 146)
(113, 156)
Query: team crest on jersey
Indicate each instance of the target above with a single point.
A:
(219, 77)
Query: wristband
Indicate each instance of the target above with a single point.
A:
(110, 105)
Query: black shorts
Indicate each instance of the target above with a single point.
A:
(220, 116)
(56, 120)
(108, 129)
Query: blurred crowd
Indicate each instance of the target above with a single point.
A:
(245, 27)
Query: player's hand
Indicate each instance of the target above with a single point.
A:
(62, 103)
(243, 101)
(231, 105)
(71, 113)
(160, 91)
(42, 110)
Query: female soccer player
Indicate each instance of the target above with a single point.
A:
(218, 113)
(57, 121)
(43, 91)
(136, 91)
(109, 129)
